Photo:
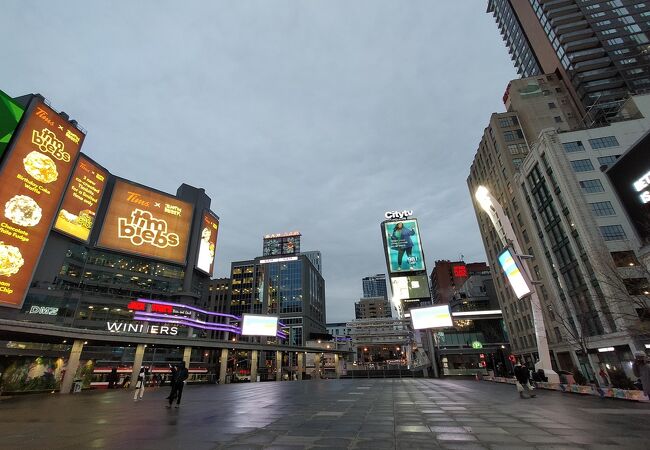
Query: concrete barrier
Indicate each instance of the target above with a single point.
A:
(607, 392)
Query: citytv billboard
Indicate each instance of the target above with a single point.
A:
(403, 246)
(34, 175)
(146, 223)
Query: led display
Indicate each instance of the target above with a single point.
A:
(431, 317)
(259, 325)
(79, 208)
(514, 274)
(34, 175)
(403, 246)
(147, 223)
(208, 243)
(410, 287)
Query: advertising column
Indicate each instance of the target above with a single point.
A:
(33, 177)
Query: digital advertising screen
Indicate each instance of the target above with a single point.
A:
(259, 325)
(403, 246)
(410, 287)
(431, 317)
(208, 243)
(146, 223)
(514, 275)
(81, 199)
(10, 115)
(34, 175)
(281, 244)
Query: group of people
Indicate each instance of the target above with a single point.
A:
(179, 375)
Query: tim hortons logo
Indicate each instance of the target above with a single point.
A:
(143, 228)
(47, 142)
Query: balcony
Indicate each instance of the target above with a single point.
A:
(550, 4)
(592, 64)
(582, 44)
(567, 18)
(597, 74)
(575, 35)
(602, 85)
(561, 11)
(569, 27)
(586, 55)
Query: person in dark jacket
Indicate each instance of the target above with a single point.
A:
(172, 381)
(178, 382)
(113, 378)
(522, 375)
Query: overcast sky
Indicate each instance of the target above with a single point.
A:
(315, 116)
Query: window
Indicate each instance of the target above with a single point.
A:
(610, 31)
(505, 122)
(582, 165)
(612, 232)
(607, 160)
(513, 135)
(628, 61)
(640, 38)
(602, 209)
(633, 28)
(592, 186)
(603, 142)
(615, 41)
(572, 147)
(551, 105)
(517, 162)
(557, 119)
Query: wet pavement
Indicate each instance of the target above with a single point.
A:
(335, 414)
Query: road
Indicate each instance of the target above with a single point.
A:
(335, 414)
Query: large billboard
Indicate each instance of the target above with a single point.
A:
(403, 246)
(34, 175)
(431, 317)
(281, 244)
(406, 287)
(630, 177)
(146, 223)
(81, 200)
(259, 325)
(10, 115)
(208, 243)
(514, 272)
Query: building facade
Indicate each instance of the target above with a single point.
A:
(372, 308)
(600, 48)
(447, 276)
(375, 286)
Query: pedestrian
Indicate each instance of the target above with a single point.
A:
(604, 377)
(177, 385)
(112, 378)
(172, 381)
(523, 376)
(139, 384)
(641, 369)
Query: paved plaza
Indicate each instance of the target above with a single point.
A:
(378, 414)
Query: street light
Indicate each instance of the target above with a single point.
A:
(508, 239)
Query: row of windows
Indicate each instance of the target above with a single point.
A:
(603, 142)
(585, 165)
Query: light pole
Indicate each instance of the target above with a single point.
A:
(508, 239)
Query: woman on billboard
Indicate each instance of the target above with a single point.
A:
(401, 241)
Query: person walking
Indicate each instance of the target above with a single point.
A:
(641, 369)
(139, 384)
(177, 385)
(172, 381)
(523, 376)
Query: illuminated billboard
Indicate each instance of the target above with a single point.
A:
(406, 287)
(431, 317)
(10, 114)
(146, 223)
(34, 175)
(514, 274)
(403, 246)
(281, 244)
(79, 208)
(259, 325)
(208, 243)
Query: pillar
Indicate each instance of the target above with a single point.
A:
(137, 363)
(254, 365)
(337, 365)
(223, 367)
(72, 366)
(278, 366)
(187, 356)
(301, 364)
(316, 366)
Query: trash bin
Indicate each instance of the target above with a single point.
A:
(76, 386)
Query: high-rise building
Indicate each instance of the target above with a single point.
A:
(448, 276)
(583, 247)
(290, 287)
(375, 286)
(600, 48)
(315, 257)
(218, 299)
(372, 308)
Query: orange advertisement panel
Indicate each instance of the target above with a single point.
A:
(147, 223)
(208, 243)
(33, 179)
(79, 208)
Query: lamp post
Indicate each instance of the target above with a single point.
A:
(508, 239)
